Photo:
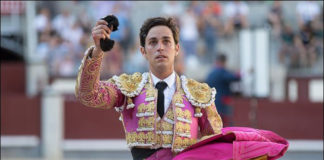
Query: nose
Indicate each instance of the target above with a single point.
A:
(160, 46)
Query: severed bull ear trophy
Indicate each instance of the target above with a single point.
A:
(107, 44)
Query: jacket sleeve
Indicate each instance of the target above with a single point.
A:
(210, 123)
(92, 92)
(231, 77)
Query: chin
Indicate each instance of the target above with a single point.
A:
(161, 66)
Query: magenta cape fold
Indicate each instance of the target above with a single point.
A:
(238, 143)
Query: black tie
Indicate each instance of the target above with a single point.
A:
(160, 101)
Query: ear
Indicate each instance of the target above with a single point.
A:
(142, 49)
(177, 49)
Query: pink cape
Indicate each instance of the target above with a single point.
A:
(238, 143)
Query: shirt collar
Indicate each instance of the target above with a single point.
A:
(170, 80)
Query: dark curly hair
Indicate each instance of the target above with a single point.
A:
(159, 21)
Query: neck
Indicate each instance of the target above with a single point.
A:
(220, 65)
(162, 74)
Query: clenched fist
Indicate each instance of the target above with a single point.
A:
(100, 31)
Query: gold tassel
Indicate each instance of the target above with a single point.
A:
(198, 112)
(130, 103)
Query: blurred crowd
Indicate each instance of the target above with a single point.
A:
(64, 33)
(303, 47)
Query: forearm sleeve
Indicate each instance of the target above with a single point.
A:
(92, 92)
(210, 122)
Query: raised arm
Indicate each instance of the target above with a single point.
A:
(89, 90)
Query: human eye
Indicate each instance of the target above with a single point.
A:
(166, 41)
(152, 42)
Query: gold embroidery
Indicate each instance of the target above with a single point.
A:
(130, 103)
(141, 137)
(182, 143)
(183, 129)
(150, 92)
(186, 128)
(145, 137)
(150, 107)
(142, 122)
(166, 126)
(111, 80)
(206, 137)
(187, 115)
(141, 108)
(130, 82)
(150, 122)
(179, 127)
(150, 137)
(112, 96)
(181, 91)
(158, 139)
(167, 139)
(132, 137)
(89, 90)
(215, 121)
(193, 141)
(179, 112)
(158, 126)
(169, 114)
(178, 98)
(197, 110)
(201, 92)
(186, 142)
(146, 122)
(178, 142)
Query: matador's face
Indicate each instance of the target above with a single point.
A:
(160, 49)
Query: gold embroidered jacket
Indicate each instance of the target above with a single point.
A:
(191, 111)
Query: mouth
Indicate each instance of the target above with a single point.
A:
(161, 57)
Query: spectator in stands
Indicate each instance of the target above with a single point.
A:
(101, 9)
(236, 16)
(66, 66)
(189, 31)
(221, 78)
(135, 61)
(179, 64)
(306, 45)
(78, 50)
(56, 53)
(64, 20)
(307, 12)
(42, 48)
(288, 54)
(85, 19)
(172, 9)
(317, 26)
(124, 33)
(275, 17)
(73, 34)
(42, 20)
(197, 7)
(210, 25)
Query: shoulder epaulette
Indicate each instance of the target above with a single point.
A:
(198, 94)
(131, 85)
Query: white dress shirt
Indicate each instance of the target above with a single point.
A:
(169, 90)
